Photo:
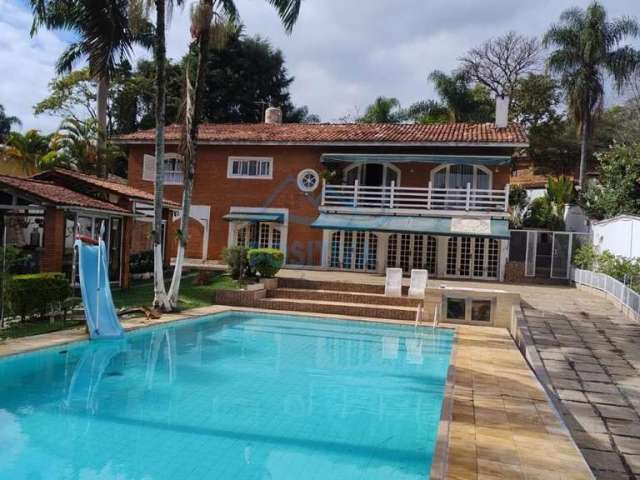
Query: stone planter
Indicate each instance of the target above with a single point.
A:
(240, 298)
(269, 283)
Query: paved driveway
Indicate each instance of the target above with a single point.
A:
(592, 355)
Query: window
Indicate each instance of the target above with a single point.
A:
(308, 180)
(356, 251)
(250, 167)
(173, 169)
(457, 177)
(372, 174)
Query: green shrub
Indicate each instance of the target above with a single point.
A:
(266, 262)
(141, 262)
(237, 260)
(36, 292)
(542, 214)
(622, 269)
(585, 257)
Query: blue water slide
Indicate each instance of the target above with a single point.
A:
(99, 310)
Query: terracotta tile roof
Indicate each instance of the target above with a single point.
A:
(299, 133)
(56, 194)
(102, 183)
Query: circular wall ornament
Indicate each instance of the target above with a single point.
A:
(308, 180)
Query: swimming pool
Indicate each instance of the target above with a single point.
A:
(232, 396)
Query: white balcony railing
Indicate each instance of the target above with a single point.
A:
(410, 198)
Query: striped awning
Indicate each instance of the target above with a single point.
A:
(448, 226)
(488, 160)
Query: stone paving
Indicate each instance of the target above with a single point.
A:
(503, 426)
(591, 353)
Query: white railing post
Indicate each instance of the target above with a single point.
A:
(324, 187)
(393, 193)
(506, 197)
(467, 205)
(355, 193)
(429, 195)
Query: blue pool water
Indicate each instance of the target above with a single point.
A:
(234, 396)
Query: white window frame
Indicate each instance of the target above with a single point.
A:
(283, 227)
(260, 160)
(447, 167)
(171, 177)
(361, 167)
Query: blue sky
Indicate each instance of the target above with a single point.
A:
(343, 53)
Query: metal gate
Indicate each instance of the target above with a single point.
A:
(549, 254)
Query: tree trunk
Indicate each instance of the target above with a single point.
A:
(102, 92)
(190, 163)
(585, 131)
(160, 299)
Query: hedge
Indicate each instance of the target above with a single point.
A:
(266, 262)
(37, 292)
(141, 262)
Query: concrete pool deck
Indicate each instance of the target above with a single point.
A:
(501, 426)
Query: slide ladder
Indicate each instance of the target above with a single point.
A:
(93, 271)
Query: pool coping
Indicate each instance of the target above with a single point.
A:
(440, 462)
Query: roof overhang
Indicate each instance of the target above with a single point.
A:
(254, 217)
(488, 160)
(448, 226)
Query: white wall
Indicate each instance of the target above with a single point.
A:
(621, 236)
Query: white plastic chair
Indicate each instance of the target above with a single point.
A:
(418, 283)
(393, 282)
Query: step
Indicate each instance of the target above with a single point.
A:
(299, 283)
(338, 308)
(343, 297)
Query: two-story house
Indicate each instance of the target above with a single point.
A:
(357, 197)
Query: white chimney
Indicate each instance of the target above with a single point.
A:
(273, 115)
(502, 111)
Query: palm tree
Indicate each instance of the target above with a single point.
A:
(75, 146)
(465, 104)
(104, 38)
(383, 110)
(212, 21)
(26, 150)
(587, 48)
(138, 10)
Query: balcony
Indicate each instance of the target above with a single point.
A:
(414, 201)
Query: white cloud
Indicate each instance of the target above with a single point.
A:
(27, 65)
(343, 53)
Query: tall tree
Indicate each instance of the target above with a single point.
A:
(103, 38)
(499, 63)
(209, 21)
(587, 47)
(160, 298)
(6, 122)
(464, 102)
(383, 110)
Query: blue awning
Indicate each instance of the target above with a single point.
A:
(448, 226)
(488, 160)
(254, 217)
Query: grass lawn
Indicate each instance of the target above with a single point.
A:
(191, 296)
(26, 329)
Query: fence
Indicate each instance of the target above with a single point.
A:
(628, 299)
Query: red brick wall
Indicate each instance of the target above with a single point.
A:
(212, 187)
